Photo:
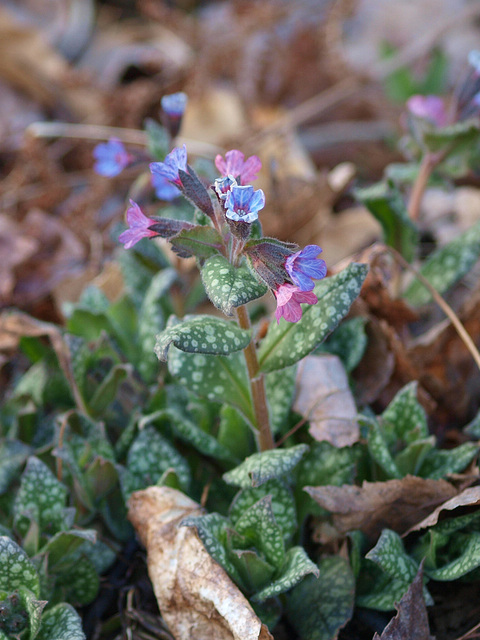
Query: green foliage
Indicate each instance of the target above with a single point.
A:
(386, 204)
(348, 342)
(158, 139)
(446, 266)
(228, 286)
(201, 242)
(318, 608)
(61, 622)
(202, 334)
(287, 343)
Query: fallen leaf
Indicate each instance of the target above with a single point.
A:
(324, 398)
(411, 621)
(394, 504)
(196, 597)
(468, 498)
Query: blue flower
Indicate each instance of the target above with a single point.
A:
(174, 104)
(174, 161)
(243, 203)
(223, 185)
(111, 158)
(164, 190)
(304, 265)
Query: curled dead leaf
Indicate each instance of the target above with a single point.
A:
(394, 504)
(196, 597)
(323, 397)
(468, 498)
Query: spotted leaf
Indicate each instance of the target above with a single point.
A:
(258, 525)
(446, 266)
(228, 286)
(65, 543)
(81, 582)
(295, 567)
(201, 242)
(202, 334)
(17, 568)
(34, 609)
(260, 467)
(13, 454)
(221, 378)
(467, 560)
(406, 415)
(280, 391)
(61, 622)
(286, 343)
(318, 608)
(441, 462)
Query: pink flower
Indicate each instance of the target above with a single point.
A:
(138, 226)
(430, 108)
(289, 298)
(234, 164)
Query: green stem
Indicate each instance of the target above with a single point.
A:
(257, 385)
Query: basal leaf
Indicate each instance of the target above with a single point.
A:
(80, 582)
(106, 391)
(13, 454)
(406, 415)
(202, 334)
(61, 622)
(148, 458)
(228, 286)
(468, 560)
(65, 543)
(201, 242)
(386, 204)
(440, 462)
(348, 342)
(280, 391)
(283, 505)
(41, 498)
(255, 571)
(260, 467)
(446, 266)
(296, 566)
(378, 447)
(234, 433)
(221, 378)
(318, 608)
(17, 568)
(286, 343)
(34, 609)
(258, 525)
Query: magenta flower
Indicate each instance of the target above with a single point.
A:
(243, 203)
(175, 160)
(305, 265)
(138, 226)
(174, 104)
(111, 158)
(289, 298)
(164, 190)
(234, 164)
(431, 108)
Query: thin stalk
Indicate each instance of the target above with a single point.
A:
(427, 165)
(257, 386)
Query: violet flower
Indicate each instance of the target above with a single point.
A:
(174, 104)
(164, 190)
(175, 160)
(111, 158)
(234, 164)
(289, 297)
(305, 265)
(138, 226)
(243, 203)
(431, 108)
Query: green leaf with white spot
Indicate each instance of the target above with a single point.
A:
(34, 609)
(260, 467)
(386, 204)
(286, 343)
(406, 415)
(17, 568)
(220, 378)
(258, 525)
(318, 608)
(255, 571)
(466, 561)
(446, 266)
(148, 458)
(441, 462)
(296, 566)
(65, 543)
(411, 459)
(61, 622)
(283, 505)
(201, 242)
(280, 391)
(13, 454)
(40, 498)
(151, 320)
(378, 446)
(189, 432)
(453, 137)
(81, 582)
(212, 530)
(228, 286)
(234, 433)
(79, 357)
(202, 334)
(348, 342)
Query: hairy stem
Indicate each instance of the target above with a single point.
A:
(257, 385)
(428, 164)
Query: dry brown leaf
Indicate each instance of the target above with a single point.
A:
(196, 597)
(323, 396)
(394, 504)
(468, 498)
